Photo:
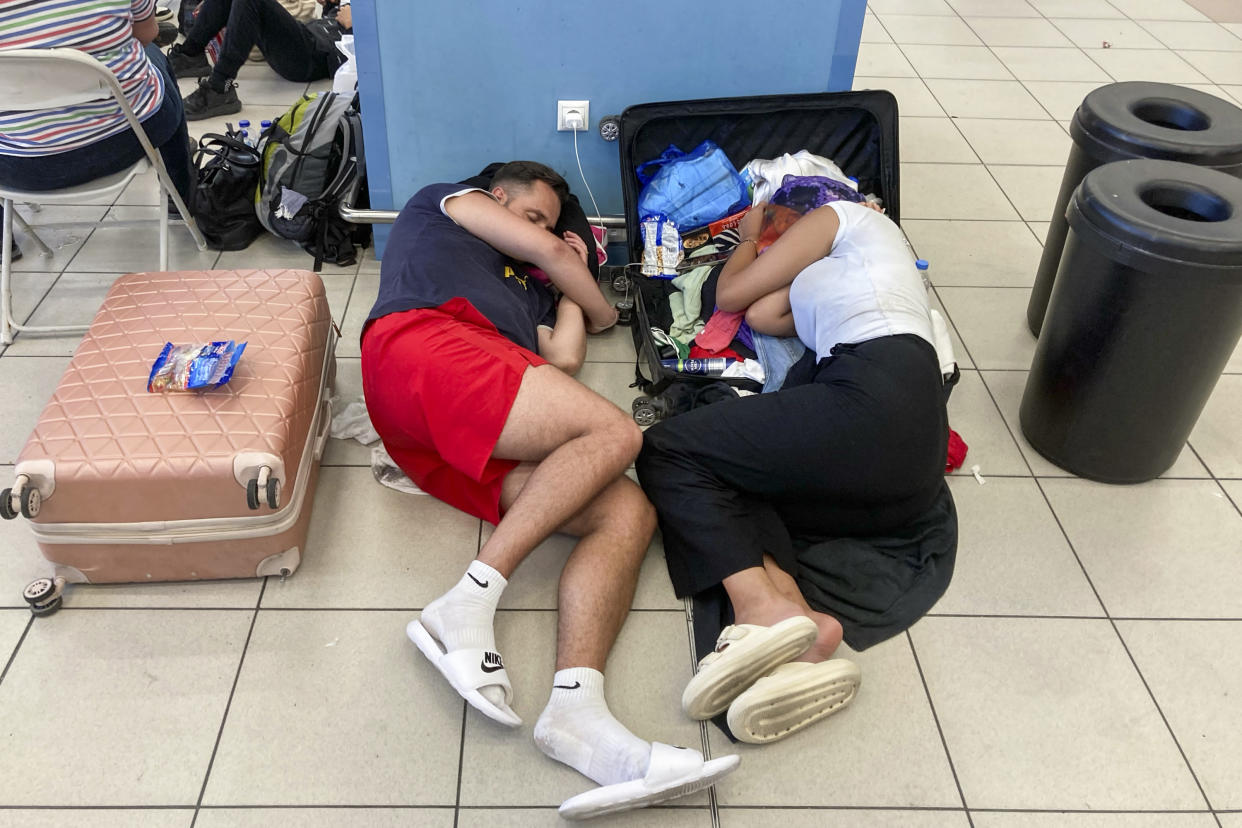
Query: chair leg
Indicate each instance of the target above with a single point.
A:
(6, 274)
(163, 235)
(34, 237)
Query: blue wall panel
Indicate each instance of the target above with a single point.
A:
(455, 84)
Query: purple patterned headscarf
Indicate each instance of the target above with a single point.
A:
(806, 192)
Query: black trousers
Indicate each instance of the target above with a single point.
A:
(857, 452)
(286, 44)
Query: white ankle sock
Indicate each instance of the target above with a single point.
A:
(463, 616)
(578, 729)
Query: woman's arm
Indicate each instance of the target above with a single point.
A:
(747, 277)
(772, 314)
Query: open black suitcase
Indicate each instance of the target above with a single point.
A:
(856, 130)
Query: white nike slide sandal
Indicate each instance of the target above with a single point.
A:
(672, 772)
(468, 670)
(744, 653)
(791, 697)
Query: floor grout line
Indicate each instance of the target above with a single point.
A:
(461, 763)
(229, 704)
(16, 647)
(944, 742)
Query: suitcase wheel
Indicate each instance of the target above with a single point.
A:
(252, 493)
(44, 595)
(48, 608)
(645, 413)
(7, 509)
(32, 501)
(621, 282)
(273, 493)
(39, 591)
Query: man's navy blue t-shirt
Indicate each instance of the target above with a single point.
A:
(430, 260)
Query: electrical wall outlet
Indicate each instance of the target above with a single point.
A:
(573, 113)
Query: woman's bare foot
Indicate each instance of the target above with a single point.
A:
(775, 611)
(828, 640)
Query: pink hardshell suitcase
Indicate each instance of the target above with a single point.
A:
(124, 485)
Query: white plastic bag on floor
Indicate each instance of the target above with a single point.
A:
(350, 420)
(389, 473)
(345, 81)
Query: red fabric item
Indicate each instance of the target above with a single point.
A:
(956, 454)
(440, 417)
(699, 352)
(720, 330)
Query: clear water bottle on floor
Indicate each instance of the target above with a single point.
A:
(923, 265)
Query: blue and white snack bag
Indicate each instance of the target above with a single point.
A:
(661, 247)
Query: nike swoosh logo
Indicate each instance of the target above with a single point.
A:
(482, 584)
(575, 686)
(491, 663)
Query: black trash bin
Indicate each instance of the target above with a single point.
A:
(1146, 310)
(1137, 119)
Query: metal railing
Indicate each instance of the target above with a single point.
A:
(358, 215)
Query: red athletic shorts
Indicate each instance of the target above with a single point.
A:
(439, 383)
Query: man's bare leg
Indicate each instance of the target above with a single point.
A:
(765, 595)
(596, 590)
(575, 444)
(581, 443)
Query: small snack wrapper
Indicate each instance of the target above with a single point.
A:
(193, 367)
(661, 246)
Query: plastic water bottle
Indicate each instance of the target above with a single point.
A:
(712, 367)
(243, 125)
(923, 265)
(245, 138)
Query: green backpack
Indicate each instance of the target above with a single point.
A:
(312, 157)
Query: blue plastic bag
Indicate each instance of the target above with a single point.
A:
(692, 189)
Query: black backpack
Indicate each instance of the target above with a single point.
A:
(222, 201)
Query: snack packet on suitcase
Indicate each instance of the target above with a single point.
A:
(193, 367)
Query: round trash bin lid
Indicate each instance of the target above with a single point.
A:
(1140, 119)
(1152, 210)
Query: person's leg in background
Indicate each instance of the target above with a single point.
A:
(188, 58)
(288, 47)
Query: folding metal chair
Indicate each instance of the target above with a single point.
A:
(44, 79)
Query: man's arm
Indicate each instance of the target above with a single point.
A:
(479, 214)
(565, 344)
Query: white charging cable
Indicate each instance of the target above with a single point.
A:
(576, 124)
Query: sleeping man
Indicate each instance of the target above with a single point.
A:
(467, 367)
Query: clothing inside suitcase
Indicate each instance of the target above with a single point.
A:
(856, 130)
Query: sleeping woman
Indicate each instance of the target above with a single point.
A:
(857, 450)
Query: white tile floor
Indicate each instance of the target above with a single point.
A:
(1082, 670)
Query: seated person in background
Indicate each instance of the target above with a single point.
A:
(856, 451)
(297, 51)
(466, 368)
(48, 149)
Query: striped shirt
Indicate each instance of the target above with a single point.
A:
(101, 28)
